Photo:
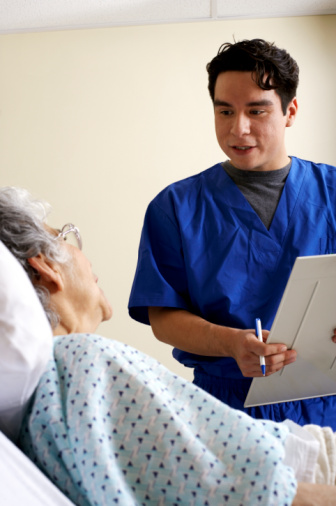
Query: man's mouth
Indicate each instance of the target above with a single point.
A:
(242, 148)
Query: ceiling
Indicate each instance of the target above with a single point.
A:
(45, 15)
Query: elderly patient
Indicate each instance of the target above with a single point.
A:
(110, 425)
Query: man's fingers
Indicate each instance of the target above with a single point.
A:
(273, 364)
(334, 336)
(274, 349)
(281, 358)
(277, 362)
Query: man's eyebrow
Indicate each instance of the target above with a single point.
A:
(257, 103)
(221, 103)
(260, 103)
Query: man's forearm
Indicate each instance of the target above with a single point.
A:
(191, 333)
(194, 334)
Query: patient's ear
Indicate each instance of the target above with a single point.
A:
(48, 273)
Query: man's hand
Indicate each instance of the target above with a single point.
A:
(247, 349)
(334, 336)
(313, 494)
(192, 333)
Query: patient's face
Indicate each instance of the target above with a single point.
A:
(81, 288)
(84, 287)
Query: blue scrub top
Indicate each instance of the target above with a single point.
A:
(204, 249)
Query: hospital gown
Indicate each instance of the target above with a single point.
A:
(205, 250)
(110, 425)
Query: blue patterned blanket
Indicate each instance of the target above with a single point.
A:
(110, 425)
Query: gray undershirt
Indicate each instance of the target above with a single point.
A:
(261, 189)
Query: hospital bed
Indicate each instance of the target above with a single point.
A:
(22, 482)
(25, 347)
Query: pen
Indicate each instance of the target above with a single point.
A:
(259, 336)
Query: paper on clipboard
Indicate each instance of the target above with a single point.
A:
(304, 321)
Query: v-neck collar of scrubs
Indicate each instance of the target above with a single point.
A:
(249, 218)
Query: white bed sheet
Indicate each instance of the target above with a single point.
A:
(21, 482)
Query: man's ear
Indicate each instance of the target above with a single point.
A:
(292, 110)
(49, 273)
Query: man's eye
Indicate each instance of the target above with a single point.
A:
(226, 113)
(256, 112)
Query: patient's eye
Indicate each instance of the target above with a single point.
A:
(71, 238)
(71, 235)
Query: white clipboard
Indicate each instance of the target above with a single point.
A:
(304, 321)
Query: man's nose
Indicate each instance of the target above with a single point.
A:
(240, 125)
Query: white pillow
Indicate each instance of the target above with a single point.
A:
(25, 342)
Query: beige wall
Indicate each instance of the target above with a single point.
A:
(98, 121)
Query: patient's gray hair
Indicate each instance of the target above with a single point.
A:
(22, 230)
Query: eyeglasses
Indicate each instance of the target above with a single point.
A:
(71, 234)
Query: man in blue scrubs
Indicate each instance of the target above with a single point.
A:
(217, 248)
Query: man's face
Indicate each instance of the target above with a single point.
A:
(250, 124)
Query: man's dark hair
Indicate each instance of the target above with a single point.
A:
(272, 68)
